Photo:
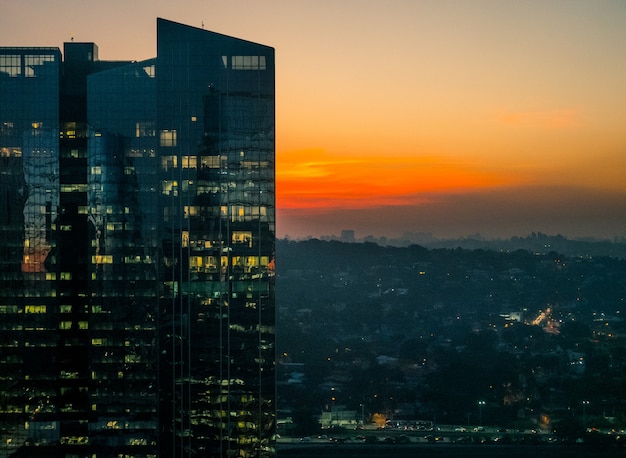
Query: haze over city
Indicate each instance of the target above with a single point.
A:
(448, 117)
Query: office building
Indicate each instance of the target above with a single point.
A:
(136, 260)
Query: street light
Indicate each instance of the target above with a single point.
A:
(480, 412)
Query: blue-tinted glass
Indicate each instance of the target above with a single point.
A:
(136, 265)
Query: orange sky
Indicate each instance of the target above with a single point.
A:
(323, 181)
(450, 117)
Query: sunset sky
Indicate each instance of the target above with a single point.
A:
(499, 117)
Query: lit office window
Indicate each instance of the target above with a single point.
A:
(167, 138)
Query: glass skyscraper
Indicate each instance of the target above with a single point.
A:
(137, 251)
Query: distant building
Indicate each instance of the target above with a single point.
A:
(136, 259)
(347, 235)
(338, 417)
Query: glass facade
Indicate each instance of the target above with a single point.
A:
(30, 379)
(137, 256)
(123, 271)
(215, 131)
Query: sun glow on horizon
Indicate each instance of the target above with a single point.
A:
(313, 178)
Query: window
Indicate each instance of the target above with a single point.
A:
(35, 309)
(187, 184)
(237, 213)
(11, 65)
(212, 162)
(247, 62)
(72, 130)
(210, 263)
(167, 138)
(195, 262)
(185, 239)
(144, 129)
(73, 153)
(8, 309)
(243, 237)
(10, 151)
(150, 70)
(169, 162)
(168, 187)
(33, 61)
(190, 210)
(189, 162)
(6, 128)
(75, 187)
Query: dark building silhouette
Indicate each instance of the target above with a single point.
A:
(136, 259)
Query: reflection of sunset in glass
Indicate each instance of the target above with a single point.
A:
(452, 117)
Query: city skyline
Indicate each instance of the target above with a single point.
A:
(449, 117)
